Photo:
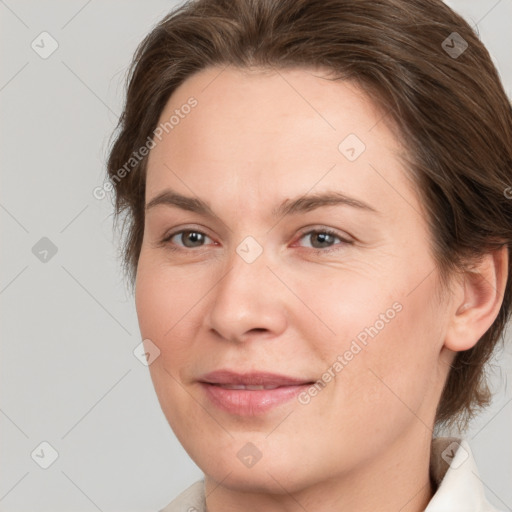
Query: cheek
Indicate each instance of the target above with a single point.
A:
(167, 315)
(161, 311)
(399, 368)
(353, 312)
(150, 303)
(387, 344)
(159, 301)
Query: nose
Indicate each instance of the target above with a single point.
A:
(248, 301)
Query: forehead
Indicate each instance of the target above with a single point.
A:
(279, 131)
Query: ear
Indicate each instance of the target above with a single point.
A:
(477, 300)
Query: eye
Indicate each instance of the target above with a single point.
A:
(323, 239)
(189, 238)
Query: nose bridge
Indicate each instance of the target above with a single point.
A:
(246, 297)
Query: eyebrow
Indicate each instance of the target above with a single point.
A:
(302, 204)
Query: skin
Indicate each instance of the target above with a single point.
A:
(255, 139)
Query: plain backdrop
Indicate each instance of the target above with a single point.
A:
(69, 376)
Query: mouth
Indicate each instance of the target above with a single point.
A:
(251, 379)
(250, 394)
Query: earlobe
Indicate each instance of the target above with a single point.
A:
(479, 302)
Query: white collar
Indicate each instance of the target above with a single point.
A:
(452, 468)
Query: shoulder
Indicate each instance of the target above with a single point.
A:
(192, 499)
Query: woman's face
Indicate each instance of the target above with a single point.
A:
(249, 284)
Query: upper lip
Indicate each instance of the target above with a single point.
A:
(251, 378)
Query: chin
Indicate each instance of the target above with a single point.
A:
(263, 481)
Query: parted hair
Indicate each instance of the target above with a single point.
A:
(418, 60)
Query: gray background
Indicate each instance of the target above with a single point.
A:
(68, 373)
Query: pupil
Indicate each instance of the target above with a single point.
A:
(194, 237)
(323, 237)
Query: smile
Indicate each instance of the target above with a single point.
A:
(250, 394)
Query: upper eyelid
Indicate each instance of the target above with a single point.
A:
(172, 233)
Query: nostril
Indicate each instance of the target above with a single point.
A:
(258, 329)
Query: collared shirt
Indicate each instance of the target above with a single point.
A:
(452, 467)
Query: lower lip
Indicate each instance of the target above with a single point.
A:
(245, 402)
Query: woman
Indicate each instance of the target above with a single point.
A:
(318, 231)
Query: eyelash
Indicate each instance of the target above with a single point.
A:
(166, 240)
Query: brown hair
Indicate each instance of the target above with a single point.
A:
(451, 110)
